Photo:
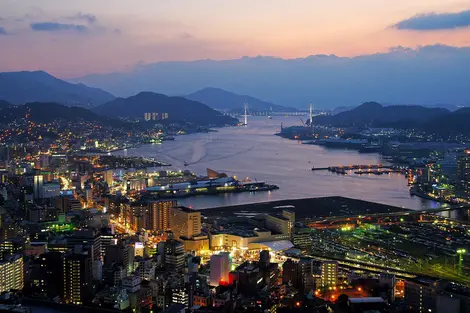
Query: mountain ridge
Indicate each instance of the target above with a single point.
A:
(373, 114)
(45, 112)
(220, 99)
(39, 86)
(178, 109)
(400, 76)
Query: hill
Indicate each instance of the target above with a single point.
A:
(39, 86)
(453, 123)
(4, 104)
(178, 109)
(373, 114)
(46, 112)
(223, 100)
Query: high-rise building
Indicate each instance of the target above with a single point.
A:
(174, 255)
(122, 254)
(11, 273)
(88, 239)
(463, 171)
(251, 277)
(146, 269)
(283, 223)
(185, 222)
(36, 213)
(78, 275)
(107, 238)
(50, 190)
(51, 265)
(97, 270)
(420, 296)
(108, 177)
(290, 273)
(329, 273)
(44, 160)
(37, 186)
(160, 214)
(12, 246)
(299, 274)
(113, 275)
(463, 166)
(88, 195)
(220, 268)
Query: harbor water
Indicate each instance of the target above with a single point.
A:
(254, 151)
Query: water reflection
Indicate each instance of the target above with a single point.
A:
(255, 152)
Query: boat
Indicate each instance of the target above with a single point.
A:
(270, 117)
(186, 164)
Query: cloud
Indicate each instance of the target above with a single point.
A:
(3, 31)
(89, 18)
(435, 21)
(53, 26)
(185, 35)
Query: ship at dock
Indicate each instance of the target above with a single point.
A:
(212, 184)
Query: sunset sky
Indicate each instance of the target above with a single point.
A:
(70, 38)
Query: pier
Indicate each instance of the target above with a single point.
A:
(360, 169)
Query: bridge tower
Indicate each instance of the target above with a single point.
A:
(311, 115)
(246, 114)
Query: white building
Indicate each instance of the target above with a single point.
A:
(220, 268)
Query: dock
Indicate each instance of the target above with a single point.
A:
(377, 169)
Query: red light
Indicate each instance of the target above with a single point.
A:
(298, 303)
(359, 289)
(333, 297)
(222, 282)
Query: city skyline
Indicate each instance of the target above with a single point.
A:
(75, 38)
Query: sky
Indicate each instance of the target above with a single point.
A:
(71, 38)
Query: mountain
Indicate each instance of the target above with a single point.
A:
(178, 109)
(223, 100)
(373, 114)
(45, 112)
(39, 86)
(427, 75)
(453, 123)
(4, 104)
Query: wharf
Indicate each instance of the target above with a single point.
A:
(378, 172)
(361, 168)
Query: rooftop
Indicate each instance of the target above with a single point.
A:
(184, 209)
(279, 245)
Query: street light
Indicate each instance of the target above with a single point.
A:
(461, 252)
